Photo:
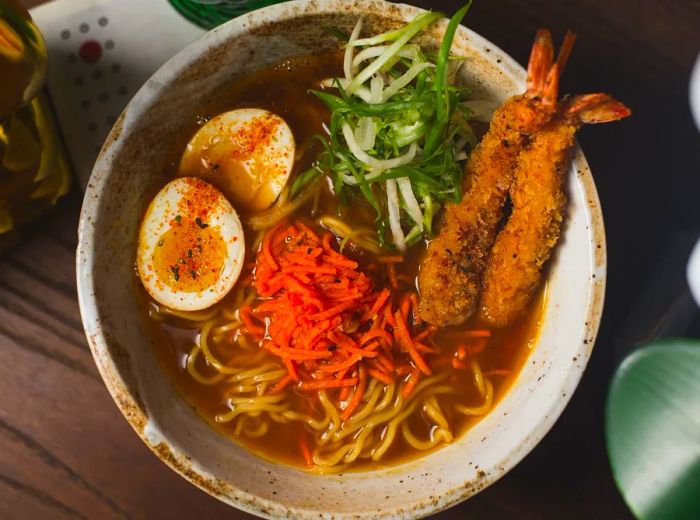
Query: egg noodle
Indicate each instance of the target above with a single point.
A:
(249, 372)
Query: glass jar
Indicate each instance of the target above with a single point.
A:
(34, 171)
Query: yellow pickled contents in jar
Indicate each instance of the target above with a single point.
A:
(34, 171)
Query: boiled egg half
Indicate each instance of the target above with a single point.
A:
(247, 153)
(191, 246)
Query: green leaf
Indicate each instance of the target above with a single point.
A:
(652, 428)
(302, 180)
(442, 101)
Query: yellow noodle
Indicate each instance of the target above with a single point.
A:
(259, 431)
(195, 317)
(191, 368)
(373, 393)
(203, 344)
(252, 373)
(487, 395)
(335, 421)
(334, 458)
(218, 332)
(478, 378)
(387, 398)
(343, 230)
(282, 209)
(242, 409)
(274, 398)
(438, 436)
(432, 409)
(240, 424)
(390, 431)
(329, 470)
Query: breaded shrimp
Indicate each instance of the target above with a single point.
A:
(514, 269)
(451, 273)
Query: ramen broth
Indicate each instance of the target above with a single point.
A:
(283, 89)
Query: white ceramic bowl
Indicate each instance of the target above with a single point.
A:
(130, 166)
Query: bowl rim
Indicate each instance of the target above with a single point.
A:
(98, 342)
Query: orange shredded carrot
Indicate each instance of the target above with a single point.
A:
(244, 313)
(291, 369)
(411, 383)
(328, 323)
(498, 372)
(379, 374)
(332, 311)
(327, 383)
(391, 273)
(414, 305)
(296, 354)
(306, 452)
(479, 333)
(356, 396)
(341, 365)
(401, 331)
(476, 346)
(381, 300)
(281, 384)
(403, 370)
(391, 259)
(422, 347)
(461, 353)
(424, 334)
(386, 363)
(457, 364)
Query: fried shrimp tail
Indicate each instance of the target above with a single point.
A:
(514, 270)
(451, 273)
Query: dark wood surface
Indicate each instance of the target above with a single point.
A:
(66, 452)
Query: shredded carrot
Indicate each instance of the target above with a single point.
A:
(498, 372)
(327, 383)
(457, 364)
(475, 346)
(246, 318)
(386, 363)
(407, 343)
(391, 259)
(329, 324)
(281, 384)
(381, 300)
(382, 376)
(391, 273)
(306, 452)
(356, 396)
(414, 305)
(411, 383)
(344, 393)
(403, 370)
(424, 334)
(422, 347)
(480, 333)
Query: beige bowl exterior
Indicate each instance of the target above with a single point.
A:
(130, 166)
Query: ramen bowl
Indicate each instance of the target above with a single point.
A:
(131, 165)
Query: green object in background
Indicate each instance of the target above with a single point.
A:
(210, 13)
(653, 430)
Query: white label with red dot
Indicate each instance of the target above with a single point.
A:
(100, 53)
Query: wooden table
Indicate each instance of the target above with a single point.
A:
(66, 451)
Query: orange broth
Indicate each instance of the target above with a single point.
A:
(283, 89)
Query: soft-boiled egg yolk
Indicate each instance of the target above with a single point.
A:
(247, 153)
(191, 245)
